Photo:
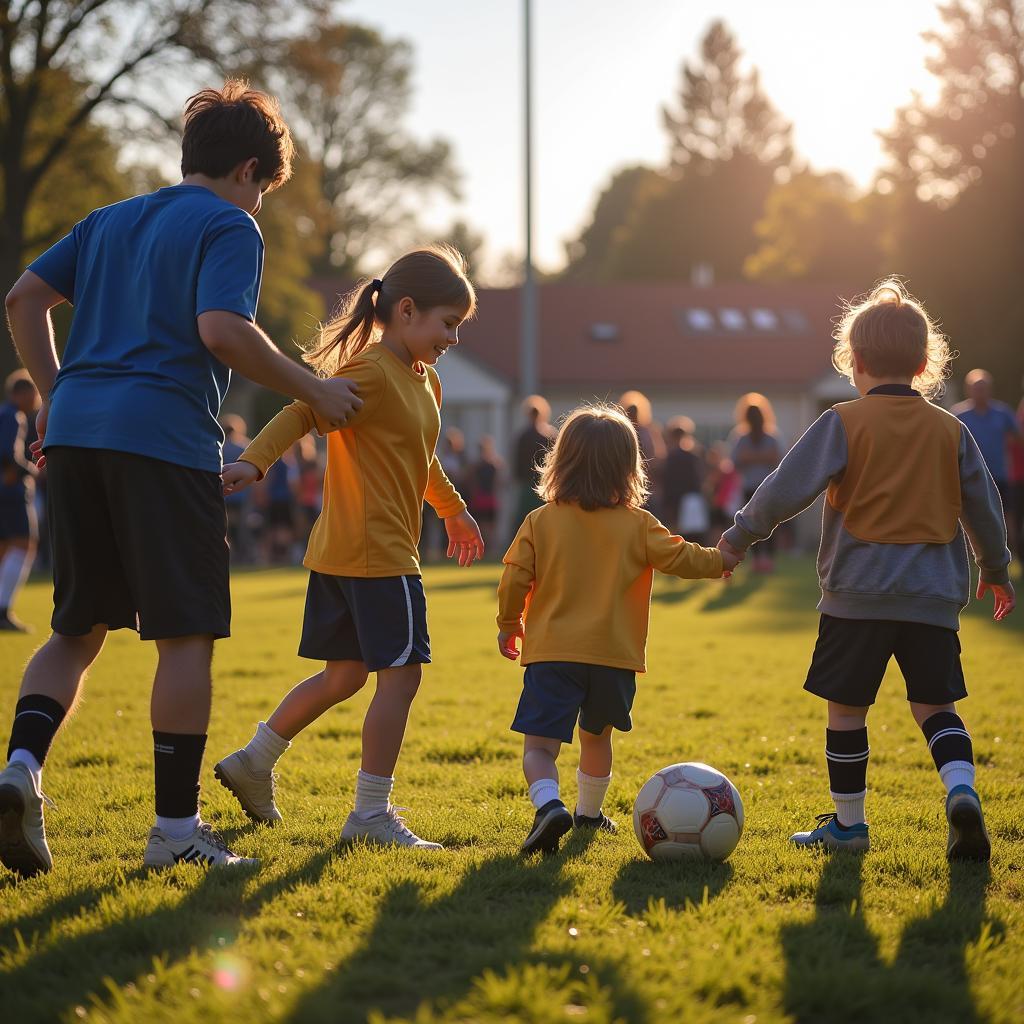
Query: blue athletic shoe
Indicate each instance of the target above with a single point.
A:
(968, 839)
(830, 835)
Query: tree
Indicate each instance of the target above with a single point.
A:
(955, 169)
(816, 228)
(347, 92)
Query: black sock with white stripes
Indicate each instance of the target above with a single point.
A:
(846, 752)
(36, 721)
(177, 759)
(951, 748)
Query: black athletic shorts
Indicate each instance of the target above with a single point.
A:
(380, 621)
(851, 656)
(556, 693)
(136, 543)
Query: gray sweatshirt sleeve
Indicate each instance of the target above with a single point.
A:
(803, 474)
(982, 512)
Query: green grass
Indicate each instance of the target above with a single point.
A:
(596, 934)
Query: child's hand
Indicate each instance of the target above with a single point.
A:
(464, 537)
(1003, 595)
(236, 476)
(507, 644)
(730, 556)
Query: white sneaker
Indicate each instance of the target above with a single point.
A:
(386, 829)
(253, 790)
(23, 846)
(203, 847)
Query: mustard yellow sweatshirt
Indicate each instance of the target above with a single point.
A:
(580, 582)
(381, 466)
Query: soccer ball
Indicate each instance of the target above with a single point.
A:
(688, 810)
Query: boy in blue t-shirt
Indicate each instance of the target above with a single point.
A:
(165, 288)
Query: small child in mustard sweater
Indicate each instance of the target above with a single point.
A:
(577, 590)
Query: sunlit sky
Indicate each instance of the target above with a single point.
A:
(603, 68)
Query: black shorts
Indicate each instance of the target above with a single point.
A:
(136, 543)
(555, 693)
(18, 517)
(851, 656)
(381, 621)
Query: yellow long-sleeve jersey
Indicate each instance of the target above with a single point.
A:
(381, 466)
(579, 583)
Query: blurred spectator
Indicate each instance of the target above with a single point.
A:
(237, 506)
(19, 529)
(1015, 516)
(451, 453)
(278, 494)
(484, 480)
(684, 506)
(637, 407)
(993, 425)
(530, 446)
(756, 452)
(310, 488)
(723, 487)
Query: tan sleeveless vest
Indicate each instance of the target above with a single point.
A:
(901, 484)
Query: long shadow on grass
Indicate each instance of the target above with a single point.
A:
(682, 883)
(833, 968)
(435, 953)
(126, 949)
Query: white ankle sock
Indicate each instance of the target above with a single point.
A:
(849, 807)
(28, 759)
(13, 569)
(265, 748)
(373, 792)
(955, 773)
(592, 789)
(178, 828)
(543, 791)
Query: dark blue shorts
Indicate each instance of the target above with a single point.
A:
(555, 693)
(381, 622)
(17, 516)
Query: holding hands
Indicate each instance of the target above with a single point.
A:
(236, 476)
(730, 556)
(464, 538)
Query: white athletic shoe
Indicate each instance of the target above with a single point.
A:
(23, 846)
(253, 790)
(386, 829)
(203, 847)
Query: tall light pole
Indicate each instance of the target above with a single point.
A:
(528, 327)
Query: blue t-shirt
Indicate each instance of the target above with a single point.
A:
(991, 429)
(136, 376)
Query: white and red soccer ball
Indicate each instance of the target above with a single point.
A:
(688, 810)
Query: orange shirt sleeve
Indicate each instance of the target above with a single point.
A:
(517, 579)
(677, 557)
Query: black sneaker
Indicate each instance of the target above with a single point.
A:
(602, 822)
(550, 823)
(10, 624)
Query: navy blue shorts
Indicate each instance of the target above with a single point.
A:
(17, 516)
(851, 656)
(555, 693)
(381, 622)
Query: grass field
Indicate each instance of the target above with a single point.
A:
(596, 934)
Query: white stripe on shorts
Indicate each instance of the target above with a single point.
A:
(404, 656)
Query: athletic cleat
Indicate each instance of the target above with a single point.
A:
(830, 835)
(11, 624)
(203, 847)
(385, 829)
(968, 839)
(550, 823)
(253, 790)
(602, 822)
(23, 846)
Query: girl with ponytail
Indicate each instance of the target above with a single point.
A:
(365, 607)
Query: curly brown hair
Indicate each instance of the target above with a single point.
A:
(226, 127)
(894, 336)
(595, 461)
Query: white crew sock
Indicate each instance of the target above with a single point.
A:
(592, 789)
(13, 568)
(265, 748)
(849, 807)
(373, 793)
(28, 759)
(177, 829)
(957, 773)
(543, 791)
